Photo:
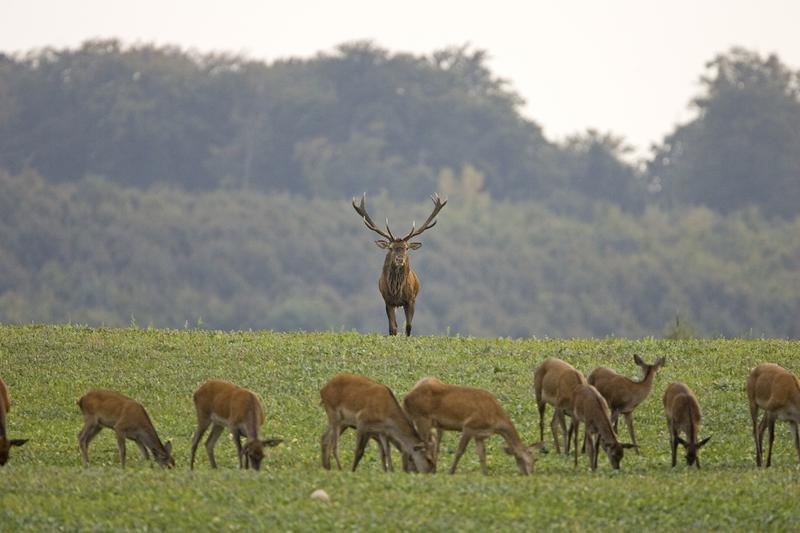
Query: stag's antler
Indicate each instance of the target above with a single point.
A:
(438, 204)
(362, 212)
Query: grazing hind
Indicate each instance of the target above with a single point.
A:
(103, 408)
(683, 414)
(223, 404)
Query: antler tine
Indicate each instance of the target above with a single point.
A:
(438, 204)
(391, 236)
(362, 211)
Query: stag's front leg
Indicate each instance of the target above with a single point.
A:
(392, 319)
(409, 310)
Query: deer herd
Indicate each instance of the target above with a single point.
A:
(415, 427)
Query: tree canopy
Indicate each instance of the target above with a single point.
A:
(177, 187)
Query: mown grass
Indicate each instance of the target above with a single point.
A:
(48, 367)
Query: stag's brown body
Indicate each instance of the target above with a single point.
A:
(5, 442)
(223, 404)
(129, 420)
(373, 410)
(683, 415)
(398, 284)
(474, 412)
(777, 391)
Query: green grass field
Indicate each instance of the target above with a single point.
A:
(47, 368)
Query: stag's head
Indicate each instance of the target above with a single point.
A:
(398, 247)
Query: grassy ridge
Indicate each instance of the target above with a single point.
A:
(47, 368)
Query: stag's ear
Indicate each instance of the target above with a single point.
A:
(414, 245)
(382, 244)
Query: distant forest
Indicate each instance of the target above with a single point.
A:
(156, 185)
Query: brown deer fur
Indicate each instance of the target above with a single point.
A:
(553, 383)
(474, 412)
(398, 283)
(129, 420)
(223, 404)
(5, 442)
(623, 395)
(589, 407)
(683, 414)
(373, 410)
(777, 391)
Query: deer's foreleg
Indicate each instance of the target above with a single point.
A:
(409, 310)
(392, 319)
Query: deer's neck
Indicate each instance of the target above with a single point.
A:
(693, 419)
(252, 423)
(641, 389)
(603, 425)
(395, 276)
(509, 433)
(150, 439)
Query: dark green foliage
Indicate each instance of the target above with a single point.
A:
(743, 149)
(356, 119)
(91, 252)
(214, 190)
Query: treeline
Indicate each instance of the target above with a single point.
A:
(362, 118)
(169, 188)
(93, 252)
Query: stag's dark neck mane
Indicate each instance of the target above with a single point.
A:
(395, 276)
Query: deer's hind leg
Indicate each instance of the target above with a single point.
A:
(91, 428)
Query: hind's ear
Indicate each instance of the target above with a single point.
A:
(17, 442)
(661, 361)
(703, 442)
(682, 442)
(168, 447)
(538, 446)
(638, 360)
(271, 442)
(508, 450)
(628, 446)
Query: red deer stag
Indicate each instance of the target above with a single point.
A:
(5, 442)
(777, 391)
(129, 420)
(622, 394)
(224, 404)
(398, 283)
(372, 408)
(683, 414)
(474, 412)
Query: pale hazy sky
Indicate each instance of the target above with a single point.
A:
(625, 66)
